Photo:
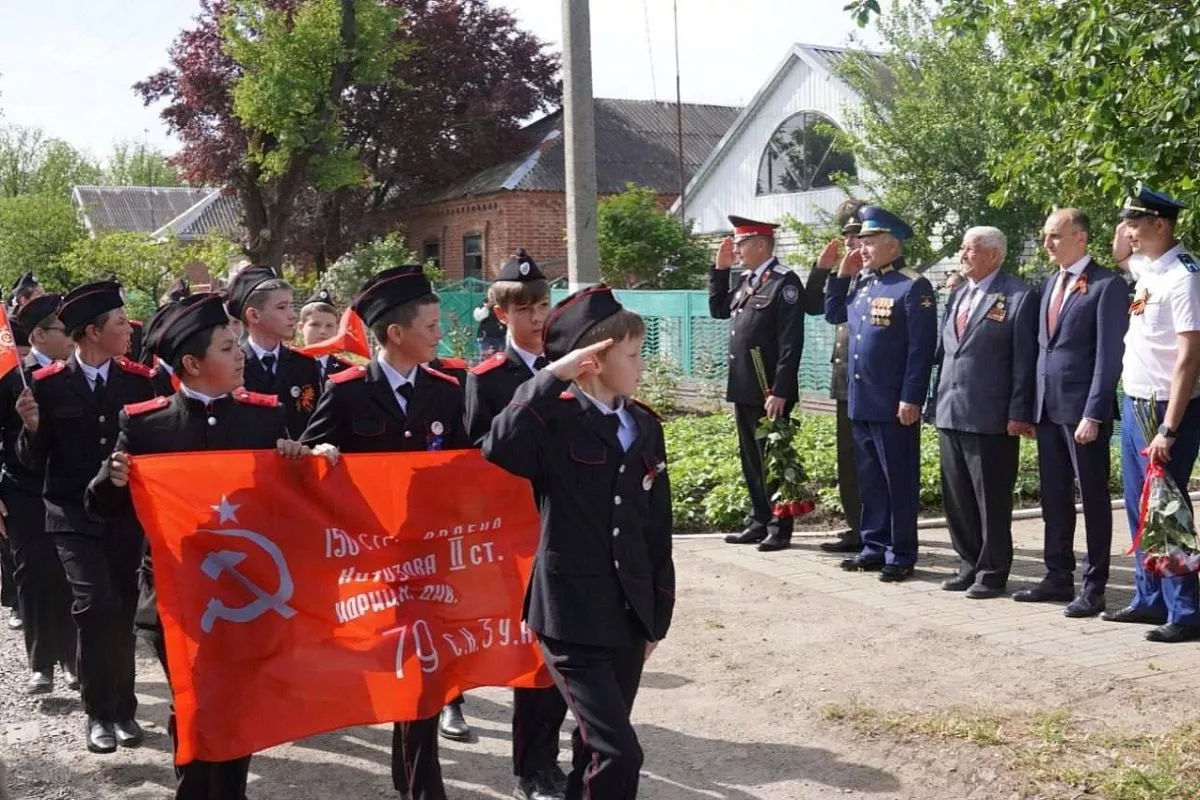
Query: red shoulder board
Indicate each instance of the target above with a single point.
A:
(135, 323)
(454, 363)
(256, 399)
(133, 409)
(648, 409)
(447, 378)
(351, 374)
(567, 395)
(133, 367)
(49, 369)
(488, 364)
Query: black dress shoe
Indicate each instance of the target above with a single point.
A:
(1134, 615)
(1172, 633)
(129, 733)
(69, 677)
(542, 786)
(452, 726)
(959, 584)
(40, 682)
(752, 535)
(894, 573)
(846, 543)
(100, 737)
(860, 564)
(980, 592)
(1084, 606)
(1045, 594)
(773, 542)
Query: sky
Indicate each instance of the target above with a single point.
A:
(67, 66)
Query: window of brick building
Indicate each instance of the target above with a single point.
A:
(432, 251)
(473, 256)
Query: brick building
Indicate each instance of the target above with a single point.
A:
(471, 227)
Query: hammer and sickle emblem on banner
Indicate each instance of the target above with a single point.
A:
(226, 561)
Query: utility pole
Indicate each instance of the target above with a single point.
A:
(579, 141)
(679, 123)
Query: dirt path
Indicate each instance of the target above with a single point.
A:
(746, 699)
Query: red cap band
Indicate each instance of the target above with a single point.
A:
(754, 230)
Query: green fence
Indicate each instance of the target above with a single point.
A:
(679, 331)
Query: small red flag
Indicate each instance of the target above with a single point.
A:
(10, 359)
(350, 338)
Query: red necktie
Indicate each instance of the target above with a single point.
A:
(964, 311)
(1056, 301)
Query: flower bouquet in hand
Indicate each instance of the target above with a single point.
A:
(1166, 532)
(781, 463)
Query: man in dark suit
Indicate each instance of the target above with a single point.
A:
(45, 597)
(70, 427)
(987, 353)
(766, 314)
(396, 403)
(263, 302)
(848, 541)
(1081, 332)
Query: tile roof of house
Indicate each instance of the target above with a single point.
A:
(635, 142)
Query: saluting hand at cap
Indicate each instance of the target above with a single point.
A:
(725, 253)
(578, 363)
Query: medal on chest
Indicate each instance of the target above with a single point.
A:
(434, 440)
(881, 311)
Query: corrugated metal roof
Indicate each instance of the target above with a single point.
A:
(215, 213)
(141, 209)
(635, 142)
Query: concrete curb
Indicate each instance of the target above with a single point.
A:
(929, 522)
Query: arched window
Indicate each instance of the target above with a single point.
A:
(800, 156)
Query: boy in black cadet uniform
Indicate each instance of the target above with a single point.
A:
(319, 323)
(45, 597)
(603, 585)
(161, 375)
(70, 427)
(209, 412)
(397, 404)
(25, 289)
(264, 302)
(520, 296)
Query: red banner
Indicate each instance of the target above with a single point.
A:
(351, 337)
(299, 598)
(10, 359)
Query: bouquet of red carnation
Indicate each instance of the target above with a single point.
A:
(781, 463)
(1166, 532)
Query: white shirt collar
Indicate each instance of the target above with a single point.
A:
(187, 391)
(395, 379)
(983, 284)
(90, 372)
(525, 355)
(626, 427)
(1164, 261)
(259, 352)
(165, 367)
(763, 267)
(1079, 266)
(323, 361)
(41, 358)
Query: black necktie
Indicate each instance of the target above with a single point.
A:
(268, 362)
(98, 388)
(612, 424)
(405, 390)
(540, 363)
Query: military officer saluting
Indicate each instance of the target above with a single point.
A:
(892, 322)
(767, 314)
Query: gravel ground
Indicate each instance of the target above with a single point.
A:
(731, 707)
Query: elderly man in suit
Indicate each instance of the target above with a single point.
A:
(988, 351)
(1081, 332)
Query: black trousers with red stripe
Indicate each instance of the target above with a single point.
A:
(600, 685)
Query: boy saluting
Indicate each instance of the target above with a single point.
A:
(397, 404)
(209, 412)
(603, 585)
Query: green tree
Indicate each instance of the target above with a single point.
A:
(132, 164)
(933, 116)
(346, 276)
(36, 231)
(643, 246)
(33, 163)
(298, 67)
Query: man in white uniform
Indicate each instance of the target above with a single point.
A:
(1161, 366)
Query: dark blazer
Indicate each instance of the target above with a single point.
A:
(814, 305)
(1079, 366)
(178, 424)
(986, 378)
(296, 382)
(605, 549)
(769, 317)
(76, 434)
(490, 387)
(359, 413)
